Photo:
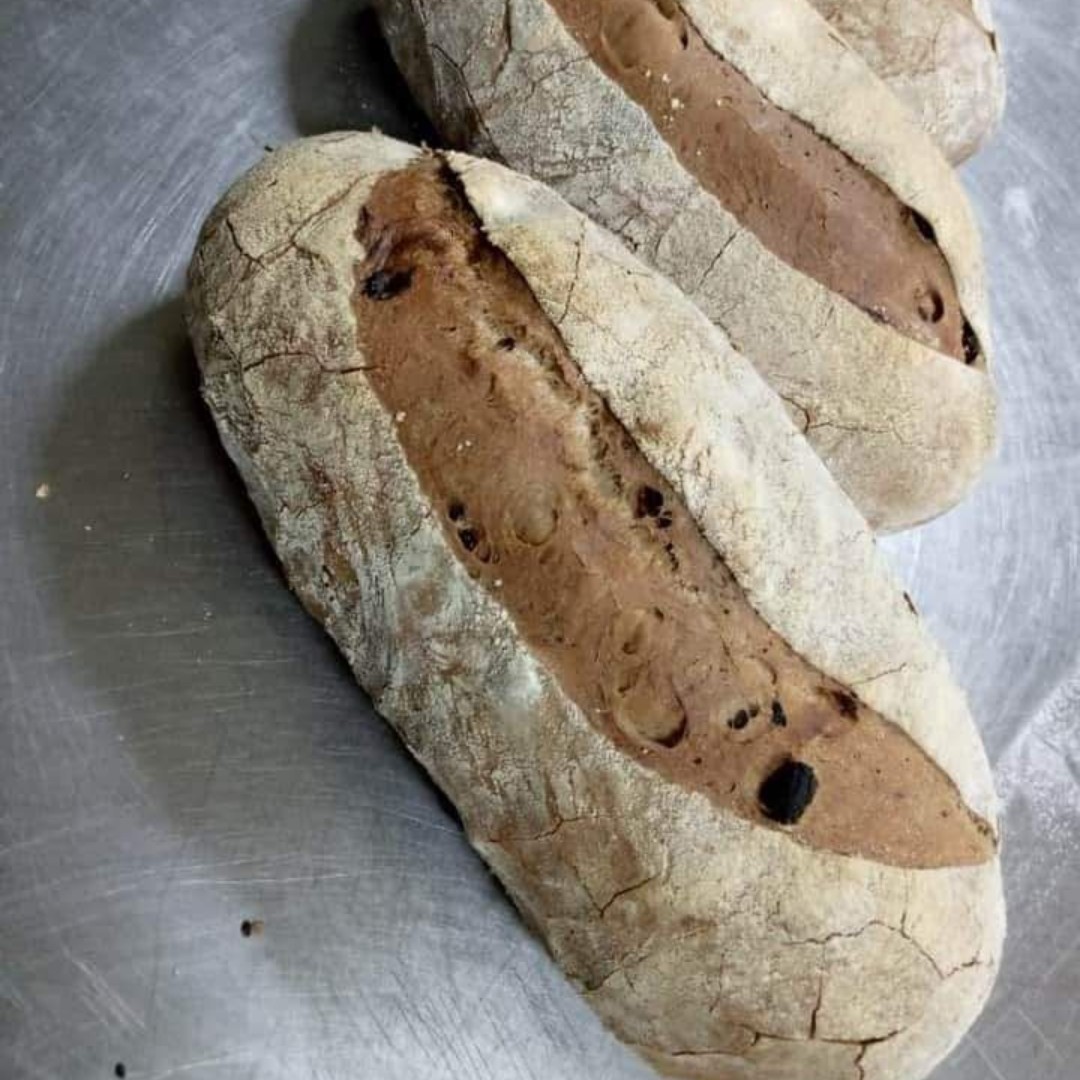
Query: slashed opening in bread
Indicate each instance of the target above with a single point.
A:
(553, 508)
(808, 202)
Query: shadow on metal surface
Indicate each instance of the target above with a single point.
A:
(342, 77)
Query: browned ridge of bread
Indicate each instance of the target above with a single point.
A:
(582, 561)
(805, 199)
(550, 504)
(747, 151)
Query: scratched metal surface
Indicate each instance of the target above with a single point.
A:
(180, 747)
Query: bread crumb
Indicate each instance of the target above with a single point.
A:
(497, 583)
(43, 491)
(88, 528)
(665, 78)
(399, 417)
(676, 104)
(468, 443)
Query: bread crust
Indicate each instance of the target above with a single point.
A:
(716, 947)
(904, 429)
(941, 57)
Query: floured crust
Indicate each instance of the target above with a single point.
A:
(940, 57)
(902, 429)
(711, 944)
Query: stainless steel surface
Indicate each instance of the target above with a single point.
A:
(180, 747)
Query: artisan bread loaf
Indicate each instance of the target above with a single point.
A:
(746, 151)
(940, 57)
(581, 559)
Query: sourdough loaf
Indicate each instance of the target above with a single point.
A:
(581, 559)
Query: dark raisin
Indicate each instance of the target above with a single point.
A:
(456, 510)
(925, 229)
(120, 1070)
(972, 348)
(697, 761)
(469, 539)
(739, 720)
(779, 717)
(506, 344)
(787, 792)
(847, 703)
(386, 284)
(649, 502)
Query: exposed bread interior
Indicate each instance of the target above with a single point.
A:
(805, 199)
(551, 505)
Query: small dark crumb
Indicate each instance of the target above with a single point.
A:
(269, 149)
(506, 344)
(972, 348)
(649, 502)
(787, 792)
(847, 703)
(120, 1070)
(779, 717)
(665, 520)
(925, 229)
(386, 284)
(739, 720)
(469, 539)
(251, 927)
(697, 761)
(754, 710)
(911, 604)
(456, 510)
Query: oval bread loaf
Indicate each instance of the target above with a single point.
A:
(581, 559)
(747, 152)
(940, 56)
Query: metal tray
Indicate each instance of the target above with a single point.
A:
(182, 752)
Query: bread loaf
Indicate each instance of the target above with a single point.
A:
(582, 560)
(748, 153)
(940, 57)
